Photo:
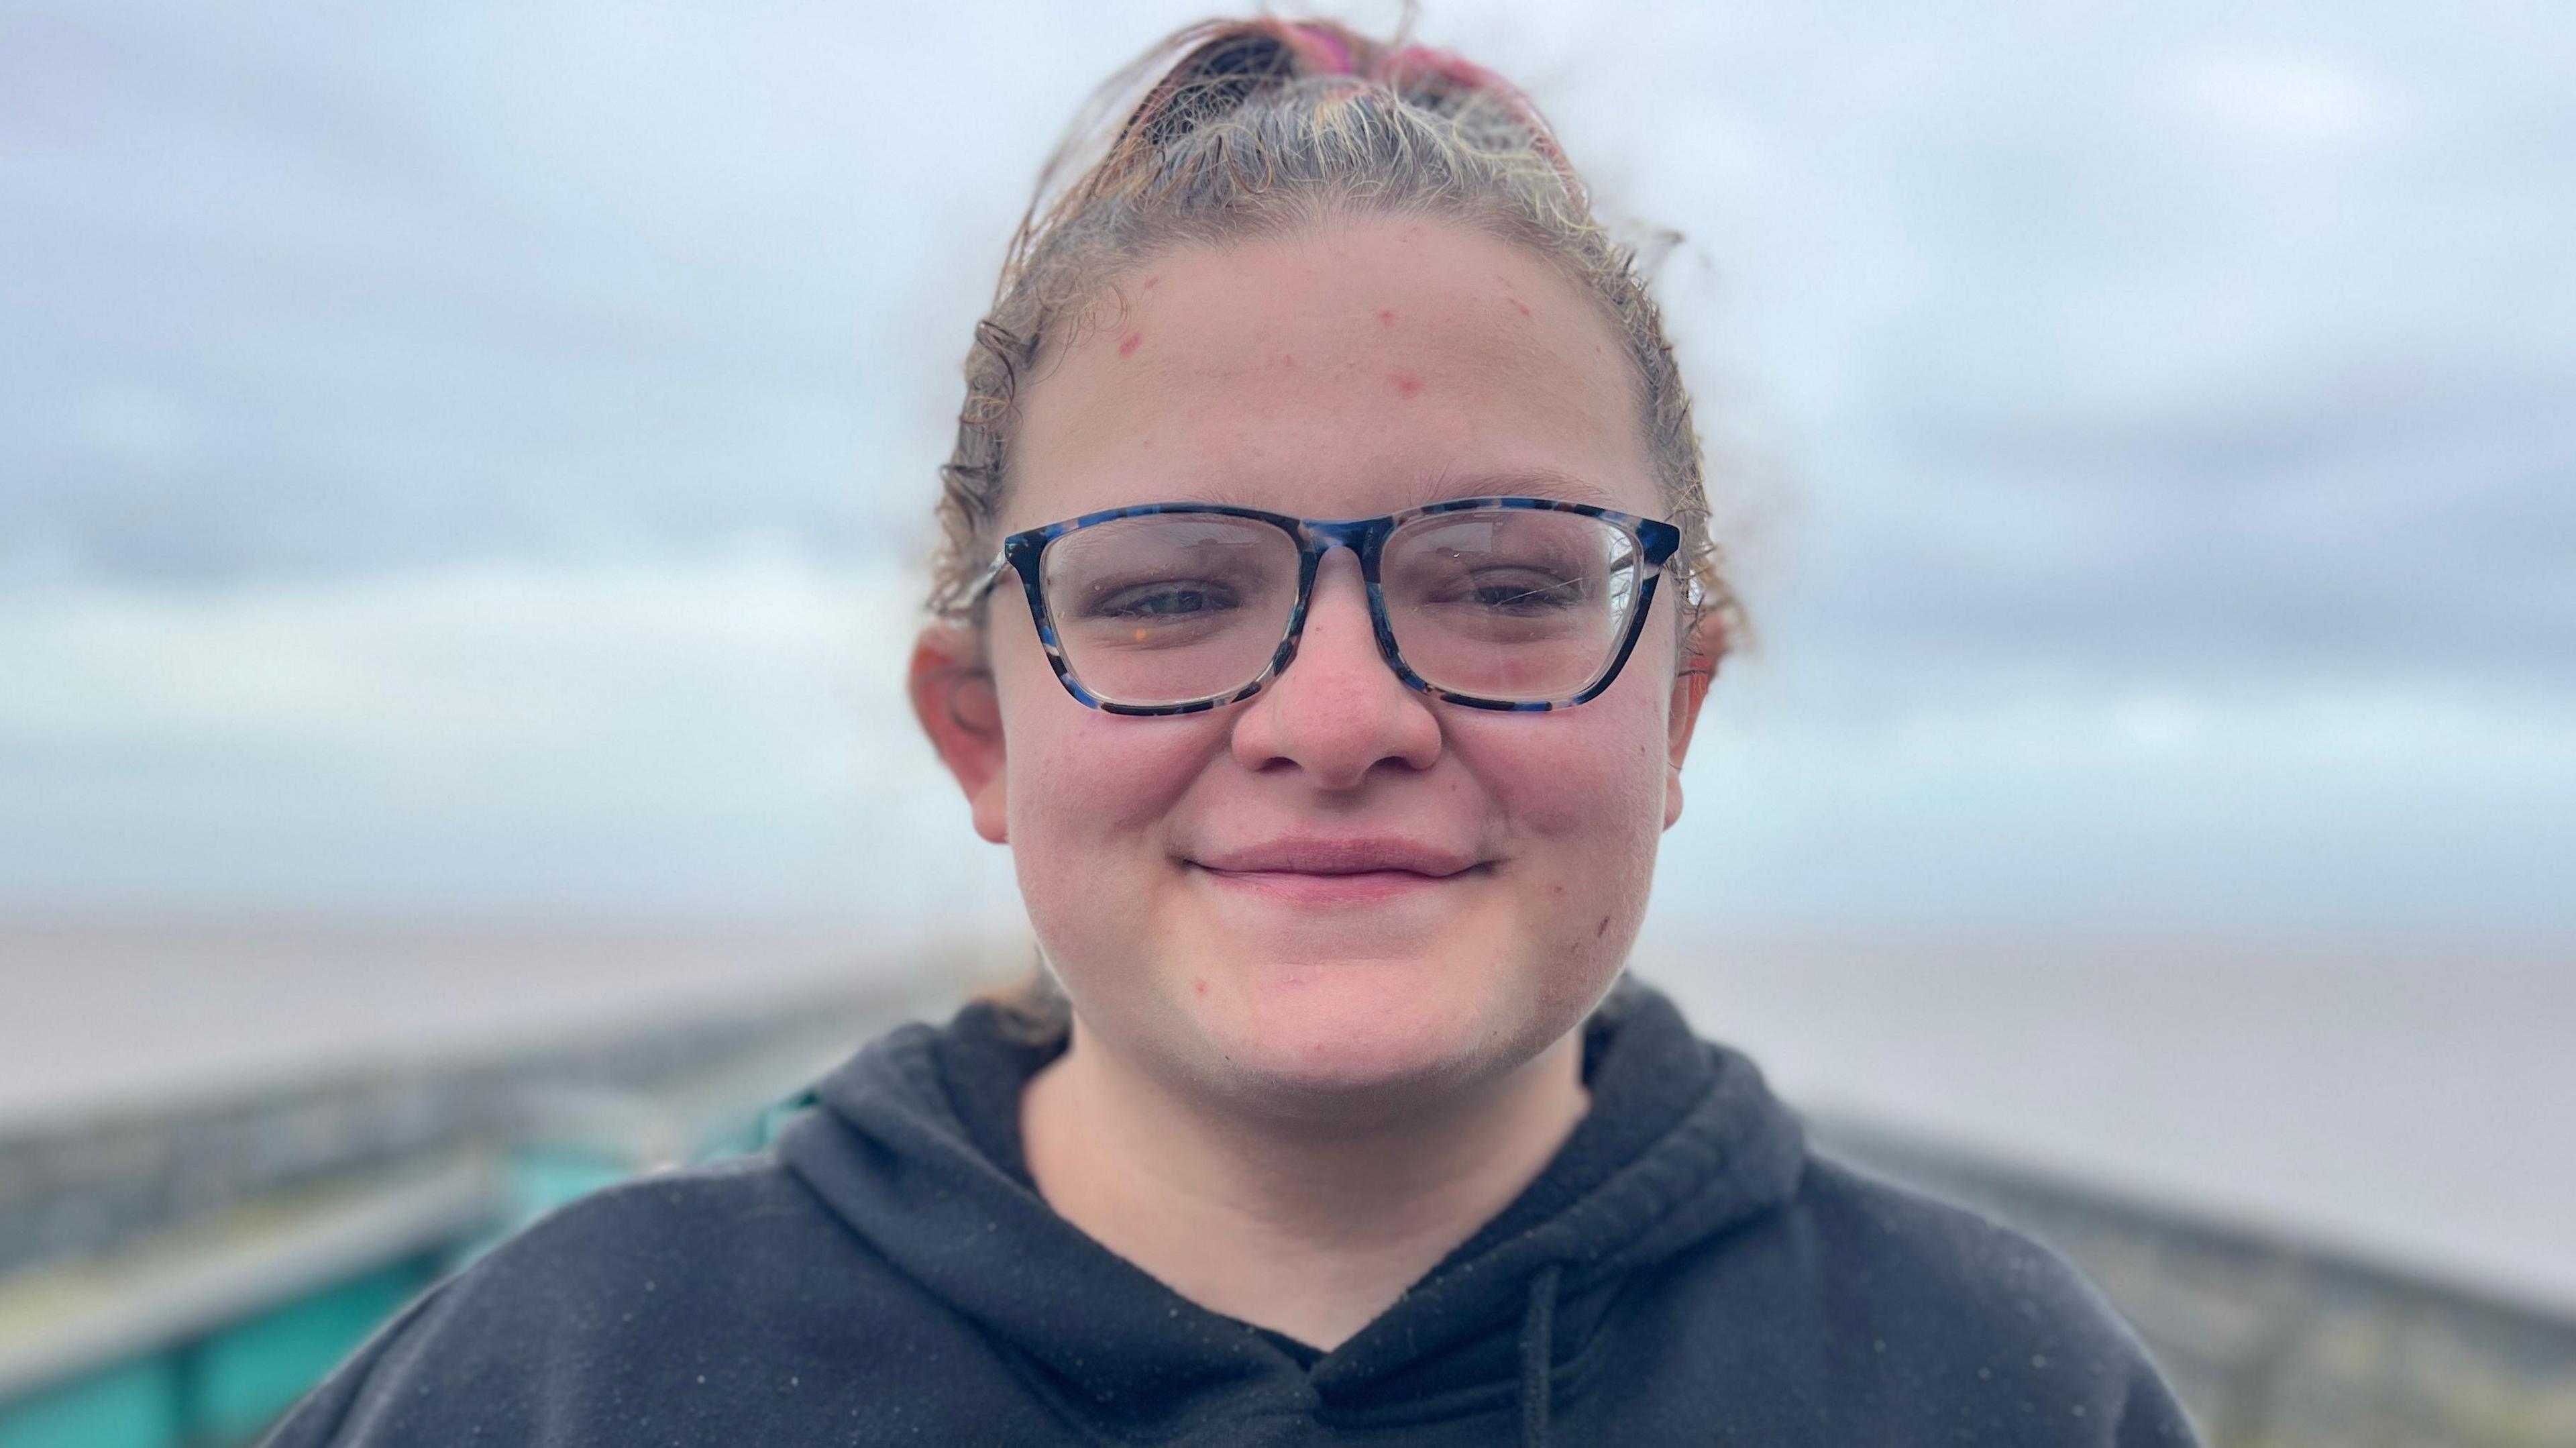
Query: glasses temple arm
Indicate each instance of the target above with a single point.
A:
(991, 575)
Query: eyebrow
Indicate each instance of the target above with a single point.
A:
(1448, 485)
(1532, 482)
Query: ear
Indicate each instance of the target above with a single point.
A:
(952, 695)
(1702, 645)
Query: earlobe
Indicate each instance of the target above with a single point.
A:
(953, 697)
(1702, 645)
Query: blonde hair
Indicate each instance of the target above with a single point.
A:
(1254, 128)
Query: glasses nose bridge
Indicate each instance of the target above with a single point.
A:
(1363, 536)
(1317, 538)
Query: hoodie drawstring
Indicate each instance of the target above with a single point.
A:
(1538, 1349)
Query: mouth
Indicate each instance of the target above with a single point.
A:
(1338, 870)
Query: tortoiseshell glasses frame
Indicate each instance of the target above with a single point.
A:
(1654, 543)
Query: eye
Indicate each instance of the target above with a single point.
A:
(1161, 600)
(1515, 590)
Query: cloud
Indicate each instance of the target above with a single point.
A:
(2299, 100)
(724, 737)
(393, 399)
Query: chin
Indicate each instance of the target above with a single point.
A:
(1318, 1033)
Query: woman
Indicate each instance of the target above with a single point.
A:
(1325, 609)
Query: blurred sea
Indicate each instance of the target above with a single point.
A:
(2409, 1101)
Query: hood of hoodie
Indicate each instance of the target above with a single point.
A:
(917, 1148)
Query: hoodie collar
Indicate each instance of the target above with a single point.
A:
(917, 1148)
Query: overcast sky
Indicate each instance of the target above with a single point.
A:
(476, 458)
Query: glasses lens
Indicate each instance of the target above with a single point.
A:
(1170, 608)
(1519, 604)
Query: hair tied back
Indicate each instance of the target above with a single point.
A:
(1238, 128)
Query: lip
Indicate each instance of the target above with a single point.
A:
(1339, 855)
(1320, 870)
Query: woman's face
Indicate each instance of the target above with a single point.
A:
(1339, 885)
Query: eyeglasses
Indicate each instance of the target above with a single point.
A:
(1522, 604)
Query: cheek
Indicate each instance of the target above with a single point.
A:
(1079, 775)
(1583, 797)
(1089, 794)
(1596, 778)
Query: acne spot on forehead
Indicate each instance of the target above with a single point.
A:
(1151, 280)
(1254, 370)
(1523, 308)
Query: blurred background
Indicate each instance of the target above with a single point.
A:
(464, 491)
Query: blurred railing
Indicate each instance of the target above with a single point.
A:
(2274, 1342)
(176, 1280)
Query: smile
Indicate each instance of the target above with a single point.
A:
(1333, 871)
(1350, 887)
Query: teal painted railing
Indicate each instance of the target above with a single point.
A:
(225, 1387)
(198, 1329)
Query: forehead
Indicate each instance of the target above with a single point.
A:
(1354, 369)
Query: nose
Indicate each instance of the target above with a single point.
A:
(1337, 711)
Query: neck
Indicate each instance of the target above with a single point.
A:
(1307, 1228)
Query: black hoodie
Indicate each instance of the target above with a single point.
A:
(1682, 1272)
